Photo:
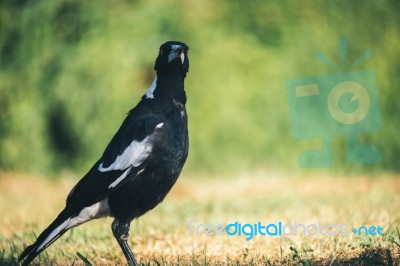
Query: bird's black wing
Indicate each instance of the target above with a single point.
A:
(125, 157)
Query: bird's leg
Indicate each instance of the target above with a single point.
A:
(121, 234)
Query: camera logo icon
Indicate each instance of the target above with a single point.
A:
(358, 92)
(339, 104)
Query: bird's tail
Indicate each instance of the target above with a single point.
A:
(56, 229)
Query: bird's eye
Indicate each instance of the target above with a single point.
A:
(162, 52)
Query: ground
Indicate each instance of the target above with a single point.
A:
(162, 237)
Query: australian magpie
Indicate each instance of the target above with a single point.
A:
(140, 164)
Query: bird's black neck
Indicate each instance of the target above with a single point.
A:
(169, 87)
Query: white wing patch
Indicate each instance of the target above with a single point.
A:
(134, 155)
(150, 91)
(122, 177)
(119, 179)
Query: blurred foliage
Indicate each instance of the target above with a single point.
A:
(70, 71)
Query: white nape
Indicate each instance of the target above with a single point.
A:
(150, 91)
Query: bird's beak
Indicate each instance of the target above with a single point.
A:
(175, 53)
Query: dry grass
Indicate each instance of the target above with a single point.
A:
(28, 204)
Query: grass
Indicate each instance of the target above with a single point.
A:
(29, 203)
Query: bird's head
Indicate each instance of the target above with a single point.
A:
(173, 56)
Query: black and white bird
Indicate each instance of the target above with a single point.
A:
(140, 164)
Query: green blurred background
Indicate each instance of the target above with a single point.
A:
(71, 70)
